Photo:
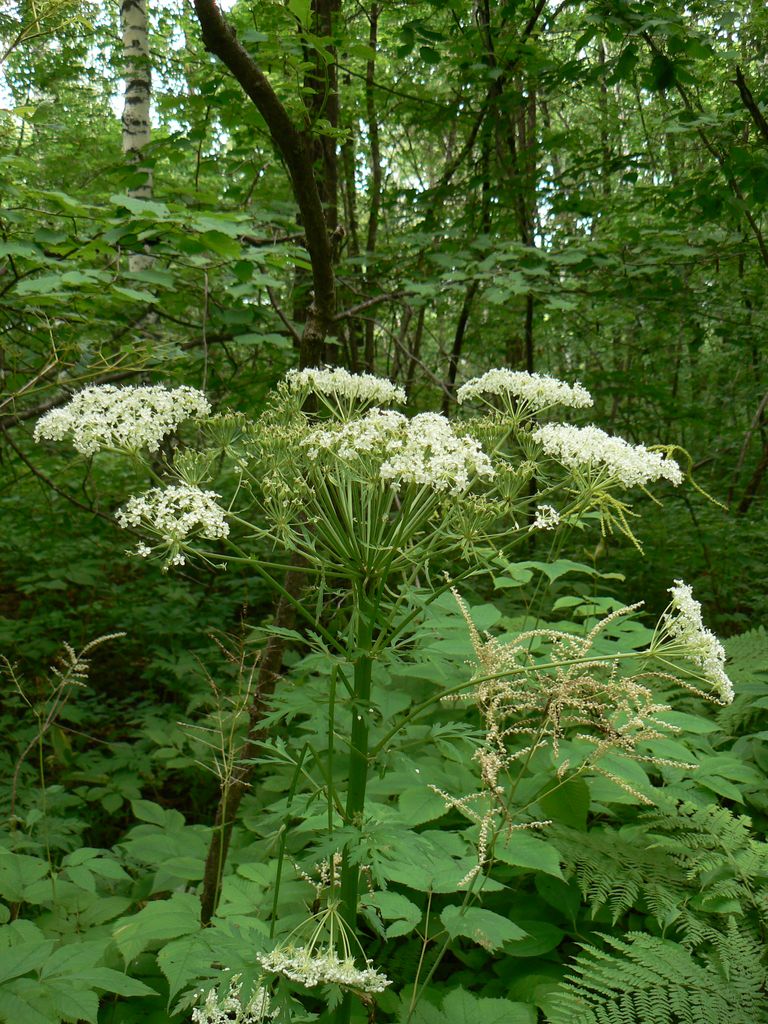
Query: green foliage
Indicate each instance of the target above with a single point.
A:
(650, 980)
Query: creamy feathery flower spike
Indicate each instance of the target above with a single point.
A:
(580, 448)
(127, 418)
(228, 1007)
(536, 391)
(312, 967)
(175, 513)
(424, 450)
(528, 698)
(684, 635)
(338, 383)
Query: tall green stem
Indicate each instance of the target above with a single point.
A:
(358, 766)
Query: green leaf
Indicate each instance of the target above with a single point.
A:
(523, 850)
(23, 958)
(396, 908)
(487, 929)
(17, 872)
(134, 294)
(141, 207)
(568, 804)
(109, 980)
(163, 919)
(184, 960)
(460, 1007)
(419, 804)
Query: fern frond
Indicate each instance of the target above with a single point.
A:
(649, 980)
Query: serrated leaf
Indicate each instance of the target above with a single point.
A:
(461, 1007)
(419, 804)
(17, 872)
(163, 919)
(184, 960)
(109, 980)
(395, 907)
(23, 958)
(484, 927)
(523, 850)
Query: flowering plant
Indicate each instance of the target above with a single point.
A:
(383, 513)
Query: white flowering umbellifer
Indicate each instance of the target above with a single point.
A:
(683, 634)
(220, 1008)
(126, 418)
(424, 450)
(533, 391)
(589, 448)
(547, 518)
(175, 514)
(345, 389)
(313, 967)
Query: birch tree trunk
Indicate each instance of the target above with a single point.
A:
(138, 88)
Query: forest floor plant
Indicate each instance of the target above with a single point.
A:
(384, 514)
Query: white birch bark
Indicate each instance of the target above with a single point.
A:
(138, 88)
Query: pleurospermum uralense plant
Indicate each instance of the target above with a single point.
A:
(375, 510)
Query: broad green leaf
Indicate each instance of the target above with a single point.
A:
(524, 850)
(568, 804)
(395, 907)
(162, 919)
(17, 872)
(141, 207)
(134, 294)
(419, 804)
(23, 958)
(484, 927)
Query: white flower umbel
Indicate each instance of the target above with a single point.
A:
(125, 418)
(433, 455)
(175, 514)
(589, 448)
(343, 392)
(228, 1008)
(322, 966)
(424, 450)
(682, 634)
(533, 392)
(547, 518)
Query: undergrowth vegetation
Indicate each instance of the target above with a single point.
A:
(482, 787)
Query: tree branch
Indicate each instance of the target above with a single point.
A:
(749, 102)
(294, 145)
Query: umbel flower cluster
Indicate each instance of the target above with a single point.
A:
(535, 390)
(344, 390)
(175, 514)
(589, 448)
(228, 1007)
(312, 967)
(123, 418)
(682, 634)
(424, 450)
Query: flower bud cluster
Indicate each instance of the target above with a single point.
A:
(313, 967)
(127, 418)
(229, 1009)
(589, 447)
(538, 391)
